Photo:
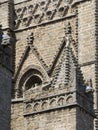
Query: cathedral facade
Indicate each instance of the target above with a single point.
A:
(49, 65)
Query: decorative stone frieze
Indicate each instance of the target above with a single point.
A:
(49, 103)
(42, 12)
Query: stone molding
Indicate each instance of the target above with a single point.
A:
(42, 12)
(49, 103)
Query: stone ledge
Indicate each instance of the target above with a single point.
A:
(3, 2)
(20, 2)
(62, 107)
(87, 63)
(17, 100)
(52, 109)
(78, 1)
(25, 1)
(52, 96)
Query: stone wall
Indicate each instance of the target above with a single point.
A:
(5, 98)
(4, 14)
(46, 39)
(17, 118)
(48, 21)
(84, 123)
(53, 120)
(87, 40)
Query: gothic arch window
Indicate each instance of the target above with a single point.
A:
(33, 82)
(30, 79)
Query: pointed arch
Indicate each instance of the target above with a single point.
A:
(30, 77)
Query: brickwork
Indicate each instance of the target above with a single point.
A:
(17, 119)
(54, 45)
(42, 34)
(86, 26)
(53, 120)
(49, 87)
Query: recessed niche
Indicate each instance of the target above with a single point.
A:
(61, 101)
(44, 105)
(37, 16)
(19, 10)
(25, 21)
(42, 3)
(29, 108)
(36, 107)
(30, 8)
(48, 13)
(61, 9)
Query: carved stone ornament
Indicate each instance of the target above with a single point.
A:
(43, 11)
(49, 103)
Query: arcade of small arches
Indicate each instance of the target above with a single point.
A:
(58, 101)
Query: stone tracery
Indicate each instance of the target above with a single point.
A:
(42, 12)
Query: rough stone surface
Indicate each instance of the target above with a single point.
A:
(5, 98)
(55, 68)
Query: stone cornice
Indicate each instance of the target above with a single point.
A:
(74, 105)
(78, 1)
(74, 2)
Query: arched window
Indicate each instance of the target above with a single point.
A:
(30, 79)
(33, 81)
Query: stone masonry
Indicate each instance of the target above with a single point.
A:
(50, 47)
(5, 81)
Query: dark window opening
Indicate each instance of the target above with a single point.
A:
(33, 82)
